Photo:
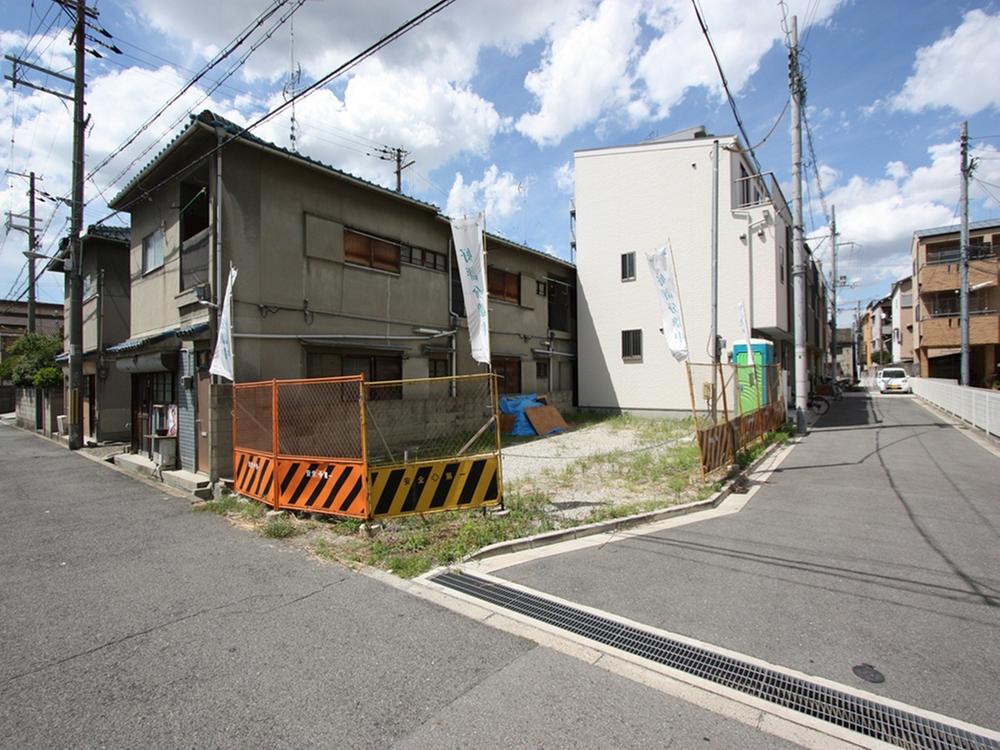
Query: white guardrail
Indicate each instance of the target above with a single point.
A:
(979, 407)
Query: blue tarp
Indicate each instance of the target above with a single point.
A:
(515, 405)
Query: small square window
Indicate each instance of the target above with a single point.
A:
(632, 345)
(540, 287)
(542, 371)
(437, 367)
(628, 266)
(152, 251)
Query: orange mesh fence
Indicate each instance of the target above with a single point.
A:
(320, 417)
(253, 420)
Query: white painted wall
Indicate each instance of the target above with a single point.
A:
(635, 198)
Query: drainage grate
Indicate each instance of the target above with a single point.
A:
(843, 709)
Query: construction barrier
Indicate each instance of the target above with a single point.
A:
(347, 447)
(740, 403)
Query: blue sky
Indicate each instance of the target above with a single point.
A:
(491, 99)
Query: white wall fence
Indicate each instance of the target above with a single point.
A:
(977, 406)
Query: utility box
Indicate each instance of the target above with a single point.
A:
(752, 374)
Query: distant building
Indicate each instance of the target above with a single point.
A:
(13, 325)
(104, 267)
(876, 334)
(846, 363)
(901, 298)
(937, 329)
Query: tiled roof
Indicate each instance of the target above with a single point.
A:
(213, 120)
(953, 228)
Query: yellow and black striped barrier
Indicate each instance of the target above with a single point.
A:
(427, 487)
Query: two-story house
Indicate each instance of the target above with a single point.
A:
(105, 320)
(336, 276)
(632, 199)
(937, 336)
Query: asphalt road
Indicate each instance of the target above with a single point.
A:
(877, 541)
(127, 620)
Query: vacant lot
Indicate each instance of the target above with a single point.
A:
(603, 468)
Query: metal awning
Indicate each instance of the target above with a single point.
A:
(188, 332)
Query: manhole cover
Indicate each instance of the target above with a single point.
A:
(868, 673)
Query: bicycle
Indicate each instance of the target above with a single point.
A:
(819, 405)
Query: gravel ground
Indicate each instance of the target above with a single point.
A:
(539, 466)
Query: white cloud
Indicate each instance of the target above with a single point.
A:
(434, 120)
(584, 71)
(565, 177)
(955, 71)
(600, 65)
(498, 194)
(881, 214)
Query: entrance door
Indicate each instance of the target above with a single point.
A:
(202, 421)
(91, 399)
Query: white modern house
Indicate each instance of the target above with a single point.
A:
(631, 200)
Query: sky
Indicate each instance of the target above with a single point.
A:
(491, 99)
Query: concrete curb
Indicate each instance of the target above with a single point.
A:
(625, 522)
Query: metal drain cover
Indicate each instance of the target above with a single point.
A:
(858, 714)
(868, 673)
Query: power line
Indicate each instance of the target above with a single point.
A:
(725, 85)
(217, 60)
(353, 62)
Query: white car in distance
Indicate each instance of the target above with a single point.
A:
(893, 380)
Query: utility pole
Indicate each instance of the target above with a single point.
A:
(963, 263)
(76, 226)
(833, 293)
(396, 155)
(32, 252)
(798, 256)
(32, 242)
(713, 335)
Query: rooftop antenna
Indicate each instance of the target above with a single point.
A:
(291, 87)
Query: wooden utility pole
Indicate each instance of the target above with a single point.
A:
(32, 252)
(75, 410)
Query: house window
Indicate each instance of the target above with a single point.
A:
(416, 256)
(542, 371)
(194, 236)
(363, 250)
(88, 286)
(628, 266)
(152, 251)
(540, 287)
(561, 301)
(437, 367)
(161, 387)
(457, 300)
(632, 345)
(375, 368)
(504, 285)
(509, 371)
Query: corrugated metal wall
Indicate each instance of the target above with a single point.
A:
(187, 411)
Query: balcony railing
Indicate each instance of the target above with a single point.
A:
(752, 191)
(976, 252)
(949, 312)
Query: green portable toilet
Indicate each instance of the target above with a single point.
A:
(753, 391)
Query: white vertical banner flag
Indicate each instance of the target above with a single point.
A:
(741, 316)
(469, 252)
(222, 360)
(661, 264)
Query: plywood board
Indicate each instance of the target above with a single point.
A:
(507, 423)
(545, 419)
